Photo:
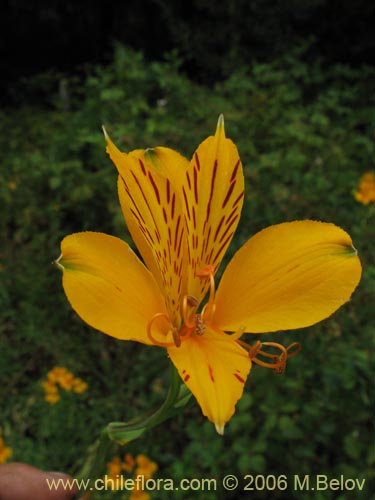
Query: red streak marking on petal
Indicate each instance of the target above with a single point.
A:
(179, 245)
(186, 203)
(165, 216)
(157, 234)
(186, 378)
(195, 241)
(239, 378)
(230, 191)
(210, 255)
(207, 239)
(292, 268)
(211, 191)
(155, 187)
(172, 205)
(145, 235)
(229, 226)
(219, 227)
(136, 216)
(223, 246)
(194, 218)
(210, 371)
(238, 199)
(197, 161)
(169, 255)
(176, 233)
(168, 190)
(188, 179)
(142, 166)
(196, 185)
(233, 212)
(234, 173)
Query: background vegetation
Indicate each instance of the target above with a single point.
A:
(304, 130)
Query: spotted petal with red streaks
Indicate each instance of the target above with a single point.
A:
(213, 191)
(153, 212)
(215, 369)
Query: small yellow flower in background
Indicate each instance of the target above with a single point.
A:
(366, 189)
(139, 495)
(114, 466)
(79, 386)
(182, 216)
(5, 451)
(128, 463)
(141, 465)
(145, 466)
(61, 377)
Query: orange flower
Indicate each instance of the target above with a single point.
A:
(60, 376)
(5, 451)
(145, 466)
(366, 189)
(128, 463)
(182, 216)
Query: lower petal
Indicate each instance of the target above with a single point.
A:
(108, 286)
(215, 368)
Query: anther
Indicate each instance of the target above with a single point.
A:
(191, 301)
(205, 272)
(176, 337)
(254, 349)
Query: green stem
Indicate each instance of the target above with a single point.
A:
(123, 432)
(176, 397)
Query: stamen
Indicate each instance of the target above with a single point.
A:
(188, 319)
(209, 308)
(296, 346)
(152, 338)
(238, 334)
(191, 301)
(178, 335)
(279, 361)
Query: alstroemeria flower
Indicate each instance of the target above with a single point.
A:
(182, 216)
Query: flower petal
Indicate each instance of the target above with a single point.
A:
(213, 191)
(152, 209)
(215, 368)
(287, 276)
(108, 286)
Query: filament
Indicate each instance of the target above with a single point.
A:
(178, 335)
(209, 309)
(278, 362)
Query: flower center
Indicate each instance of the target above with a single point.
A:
(195, 324)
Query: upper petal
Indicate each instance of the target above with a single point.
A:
(151, 204)
(215, 368)
(108, 286)
(213, 190)
(287, 276)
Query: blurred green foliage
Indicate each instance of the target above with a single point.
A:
(305, 136)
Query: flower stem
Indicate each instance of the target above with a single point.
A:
(123, 432)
